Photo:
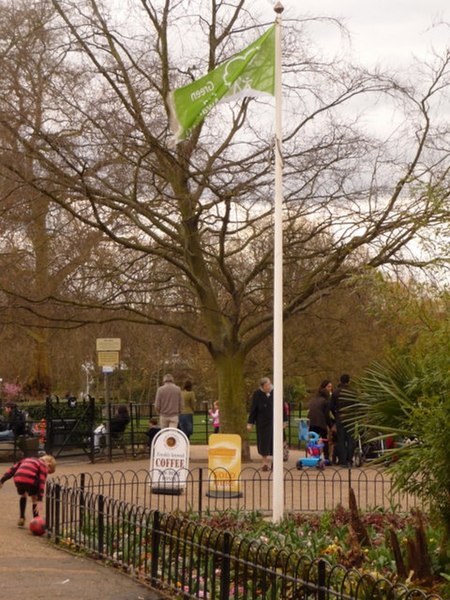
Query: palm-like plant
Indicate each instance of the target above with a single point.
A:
(408, 396)
(381, 400)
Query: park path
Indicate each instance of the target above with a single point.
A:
(32, 567)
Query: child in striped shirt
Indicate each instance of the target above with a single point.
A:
(30, 475)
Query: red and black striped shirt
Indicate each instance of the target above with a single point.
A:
(30, 472)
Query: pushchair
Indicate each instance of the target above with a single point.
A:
(314, 452)
(99, 439)
(365, 450)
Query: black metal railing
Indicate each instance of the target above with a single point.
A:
(308, 490)
(70, 431)
(180, 556)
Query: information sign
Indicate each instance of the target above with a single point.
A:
(108, 359)
(108, 344)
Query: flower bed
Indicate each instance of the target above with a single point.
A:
(333, 535)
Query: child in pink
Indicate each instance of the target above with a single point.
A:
(215, 416)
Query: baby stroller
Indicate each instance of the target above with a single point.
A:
(366, 450)
(314, 450)
(99, 437)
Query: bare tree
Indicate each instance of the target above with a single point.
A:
(193, 222)
(42, 245)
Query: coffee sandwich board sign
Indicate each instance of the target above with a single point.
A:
(224, 464)
(169, 462)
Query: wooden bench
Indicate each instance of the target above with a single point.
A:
(22, 447)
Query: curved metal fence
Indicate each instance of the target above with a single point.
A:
(191, 560)
(307, 490)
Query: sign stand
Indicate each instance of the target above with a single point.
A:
(224, 463)
(169, 462)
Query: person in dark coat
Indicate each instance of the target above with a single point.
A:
(261, 415)
(119, 422)
(345, 440)
(153, 430)
(319, 414)
(14, 422)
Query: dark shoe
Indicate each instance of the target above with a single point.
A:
(265, 468)
(21, 522)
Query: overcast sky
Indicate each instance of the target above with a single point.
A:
(383, 31)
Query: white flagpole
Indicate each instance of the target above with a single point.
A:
(278, 474)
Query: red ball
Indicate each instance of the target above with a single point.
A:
(37, 526)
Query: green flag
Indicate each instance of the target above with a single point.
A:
(251, 72)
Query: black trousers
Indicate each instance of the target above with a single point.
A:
(345, 445)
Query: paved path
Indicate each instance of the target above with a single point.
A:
(32, 567)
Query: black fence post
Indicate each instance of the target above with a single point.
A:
(82, 499)
(91, 428)
(205, 402)
(57, 512)
(101, 524)
(200, 491)
(92, 446)
(109, 439)
(156, 538)
(225, 570)
(48, 510)
(132, 429)
(321, 580)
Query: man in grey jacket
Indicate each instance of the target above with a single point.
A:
(168, 402)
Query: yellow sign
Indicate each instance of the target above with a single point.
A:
(108, 359)
(224, 463)
(108, 344)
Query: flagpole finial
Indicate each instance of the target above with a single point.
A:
(278, 8)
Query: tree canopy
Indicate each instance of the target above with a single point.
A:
(84, 127)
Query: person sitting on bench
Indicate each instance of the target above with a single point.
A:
(14, 423)
(119, 423)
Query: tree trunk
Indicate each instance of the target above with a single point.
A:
(232, 401)
(39, 381)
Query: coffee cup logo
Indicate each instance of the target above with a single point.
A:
(171, 442)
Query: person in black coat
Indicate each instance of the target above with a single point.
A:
(119, 422)
(261, 415)
(345, 440)
(153, 430)
(14, 422)
(319, 414)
